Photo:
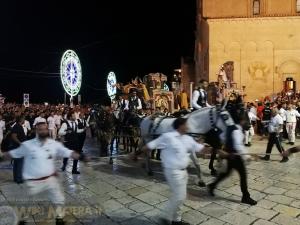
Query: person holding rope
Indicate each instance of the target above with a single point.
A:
(176, 147)
(236, 157)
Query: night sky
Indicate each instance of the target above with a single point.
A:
(128, 37)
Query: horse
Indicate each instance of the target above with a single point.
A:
(104, 125)
(212, 122)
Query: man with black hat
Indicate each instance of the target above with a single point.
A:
(200, 96)
(135, 102)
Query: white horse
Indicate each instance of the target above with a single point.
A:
(199, 122)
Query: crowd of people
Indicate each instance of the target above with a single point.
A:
(18, 123)
(42, 125)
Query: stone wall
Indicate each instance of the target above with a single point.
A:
(265, 51)
(244, 8)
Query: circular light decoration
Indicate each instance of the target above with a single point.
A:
(70, 73)
(111, 85)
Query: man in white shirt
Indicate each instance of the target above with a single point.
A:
(51, 126)
(291, 115)
(250, 133)
(176, 148)
(275, 127)
(57, 120)
(2, 129)
(26, 127)
(40, 119)
(39, 170)
(199, 99)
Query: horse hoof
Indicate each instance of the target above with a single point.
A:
(201, 184)
(214, 173)
(150, 173)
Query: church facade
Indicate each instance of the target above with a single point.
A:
(261, 38)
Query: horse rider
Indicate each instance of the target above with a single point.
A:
(199, 99)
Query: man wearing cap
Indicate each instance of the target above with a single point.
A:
(39, 166)
(200, 96)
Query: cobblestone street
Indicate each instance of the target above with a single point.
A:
(122, 193)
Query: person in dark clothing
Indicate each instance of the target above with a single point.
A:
(69, 131)
(266, 118)
(235, 157)
(81, 131)
(18, 136)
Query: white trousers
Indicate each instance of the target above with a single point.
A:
(1, 139)
(248, 135)
(177, 180)
(52, 188)
(291, 129)
(52, 133)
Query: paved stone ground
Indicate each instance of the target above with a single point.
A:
(122, 193)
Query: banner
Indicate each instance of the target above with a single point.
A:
(26, 100)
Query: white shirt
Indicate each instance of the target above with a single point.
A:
(39, 159)
(252, 117)
(282, 112)
(125, 102)
(39, 120)
(175, 149)
(253, 110)
(291, 116)
(2, 127)
(80, 131)
(51, 123)
(63, 129)
(139, 103)
(275, 123)
(196, 95)
(26, 127)
(77, 115)
(238, 140)
(57, 120)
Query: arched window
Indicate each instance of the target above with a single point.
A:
(256, 7)
(298, 6)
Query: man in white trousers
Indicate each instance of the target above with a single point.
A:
(39, 171)
(291, 115)
(176, 148)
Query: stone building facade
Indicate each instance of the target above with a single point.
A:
(261, 37)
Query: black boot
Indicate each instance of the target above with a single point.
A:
(60, 221)
(248, 200)
(284, 159)
(214, 172)
(201, 183)
(22, 222)
(266, 158)
(210, 189)
(180, 223)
